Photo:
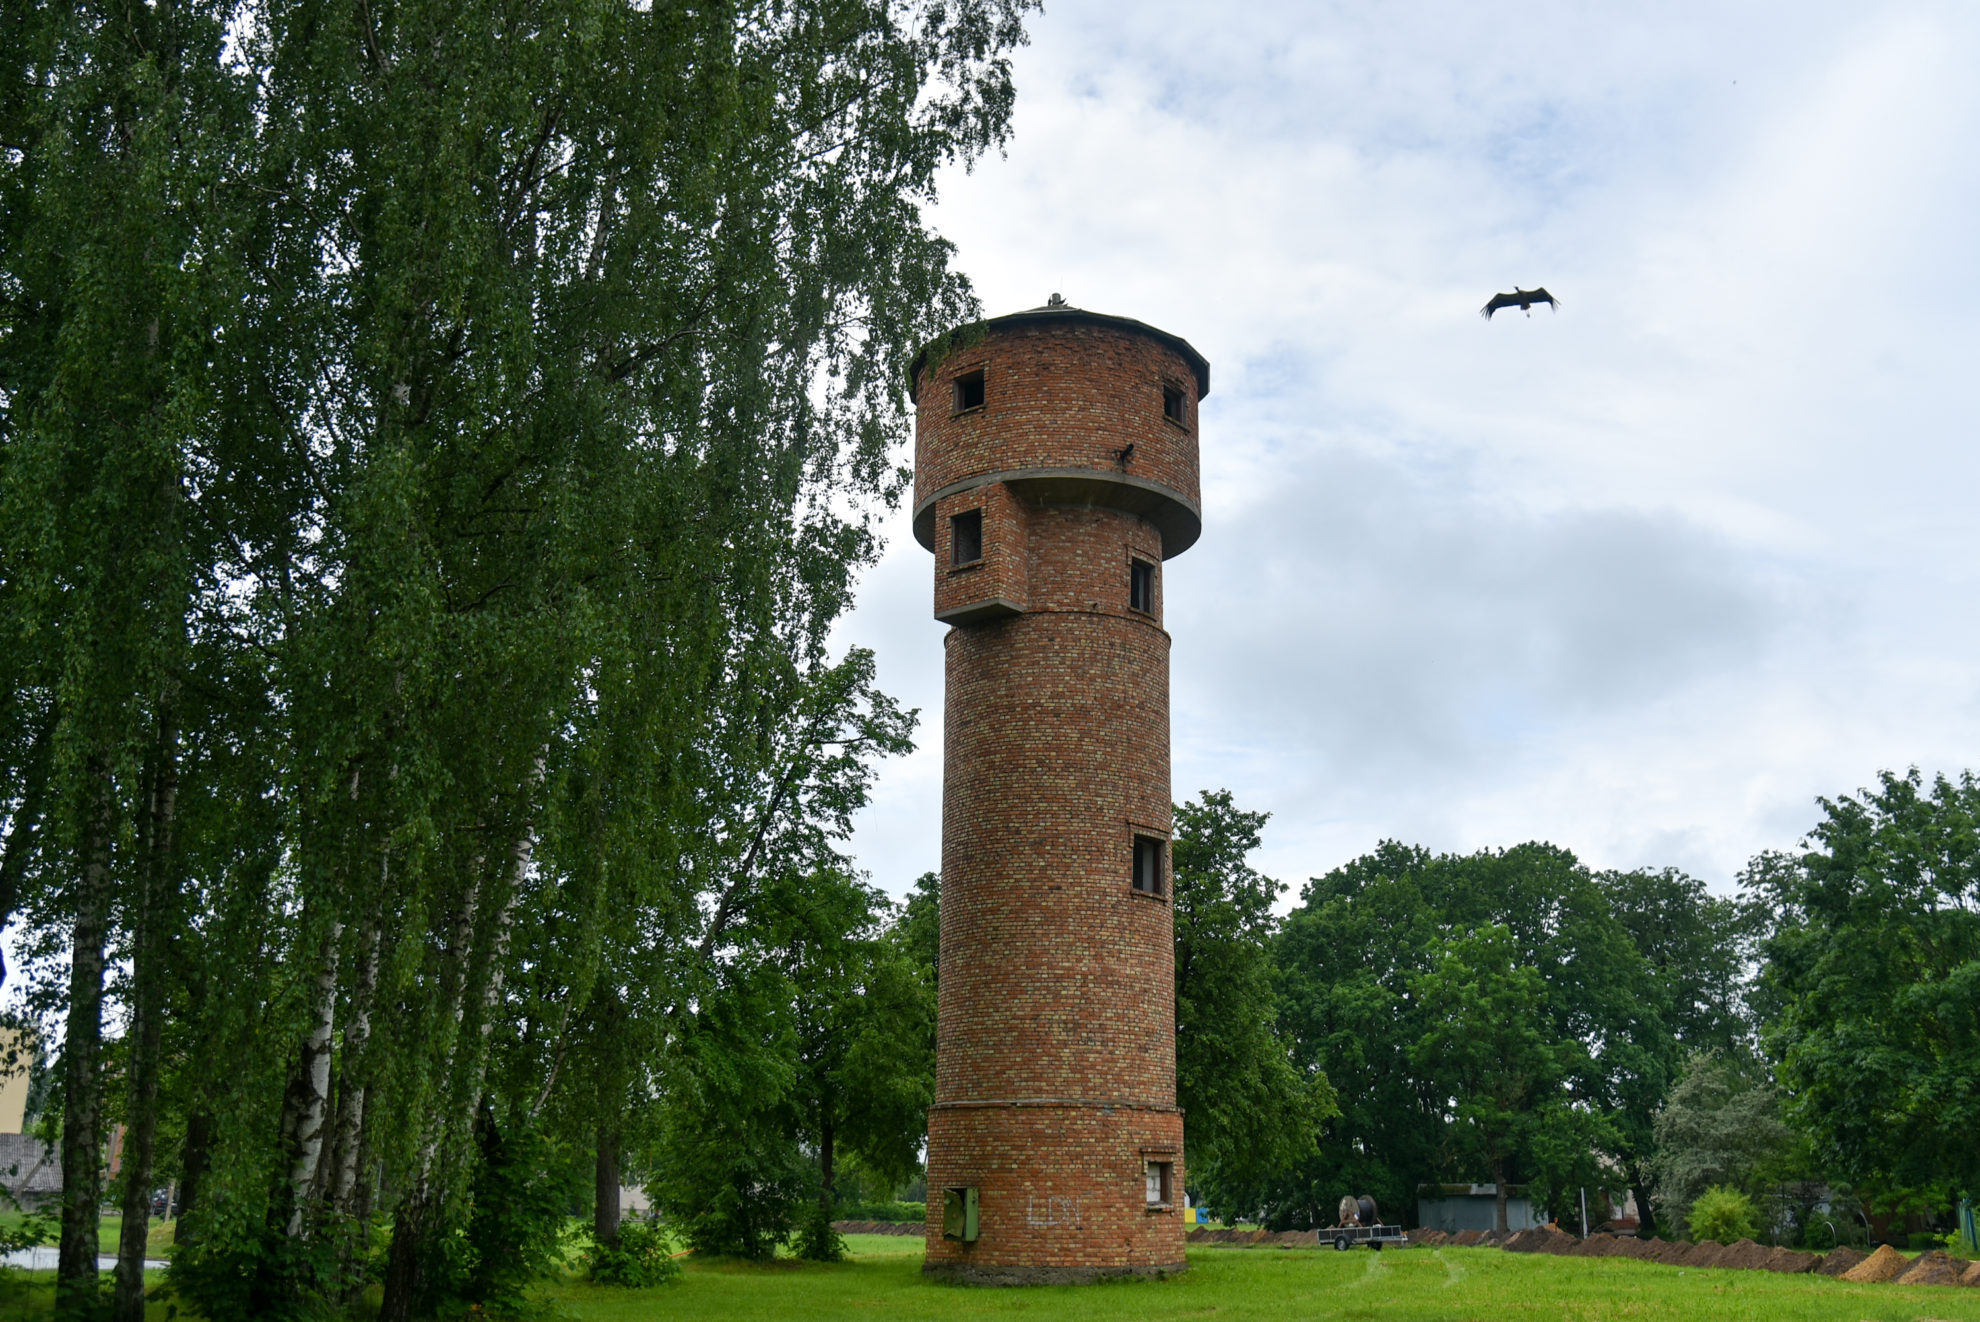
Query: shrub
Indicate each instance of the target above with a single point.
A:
(642, 1258)
(734, 1186)
(1723, 1214)
(817, 1240)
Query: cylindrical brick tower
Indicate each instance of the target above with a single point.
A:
(1055, 472)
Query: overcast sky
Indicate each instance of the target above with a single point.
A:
(1642, 577)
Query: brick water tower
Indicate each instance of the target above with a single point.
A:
(1055, 473)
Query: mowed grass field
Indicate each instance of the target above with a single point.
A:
(883, 1277)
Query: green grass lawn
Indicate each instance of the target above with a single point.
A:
(158, 1239)
(884, 1275)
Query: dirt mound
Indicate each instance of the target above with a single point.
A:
(1934, 1268)
(1597, 1245)
(1744, 1255)
(1666, 1251)
(880, 1227)
(1791, 1261)
(1882, 1265)
(1428, 1238)
(1971, 1276)
(1839, 1261)
(1293, 1239)
(1468, 1237)
(1629, 1246)
(1705, 1253)
(1525, 1241)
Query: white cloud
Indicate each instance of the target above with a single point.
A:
(1642, 577)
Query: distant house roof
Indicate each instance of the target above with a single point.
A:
(29, 1167)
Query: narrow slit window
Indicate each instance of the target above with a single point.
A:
(1148, 865)
(969, 391)
(1159, 1176)
(966, 537)
(1172, 403)
(1141, 586)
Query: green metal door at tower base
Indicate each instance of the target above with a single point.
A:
(959, 1213)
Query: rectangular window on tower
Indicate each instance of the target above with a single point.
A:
(1141, 586)
(1172, 404)
(966, 537)
(969, 391)
(1159, 1175)
(1148, 865)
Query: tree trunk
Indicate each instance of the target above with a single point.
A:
(1646, 1219)
(308, 1098)
(154, 916)
(195, 1156)
(82, 1061)
(605, 1210)
(406, 1261)
(352, 1087)
(1499, 1184)
(828, 1179)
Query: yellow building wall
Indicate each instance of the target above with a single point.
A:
(14, 1079)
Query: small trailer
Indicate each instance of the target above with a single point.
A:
(1346, 1237)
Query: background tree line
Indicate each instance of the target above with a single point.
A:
(1811, 1044)
(435, 443)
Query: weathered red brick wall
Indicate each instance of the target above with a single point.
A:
(1004, 572)
(1081, 1214)
(1056, 1036)
(1069, 396)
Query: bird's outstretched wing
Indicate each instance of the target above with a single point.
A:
(1542, 296)
(1494, 303)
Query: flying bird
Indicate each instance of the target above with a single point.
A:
(1523, 299)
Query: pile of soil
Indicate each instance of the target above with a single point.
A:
(1705, 1253)
(1744, 1255)
(1629, 1246)
(1880, 1266)
(1293, 1239)
(880, 1227)
(1524, 1241)
(1791, 1261)
(1597, 1245)
(1971, 1276)
(1667, 1251)
(1839, 1261)
(1429, 1238)
(1557, 1242)
(1468, 1237)
(1933, 1268)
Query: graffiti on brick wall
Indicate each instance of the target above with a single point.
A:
(1051, 1211)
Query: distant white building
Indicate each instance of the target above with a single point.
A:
(1455, 1207)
